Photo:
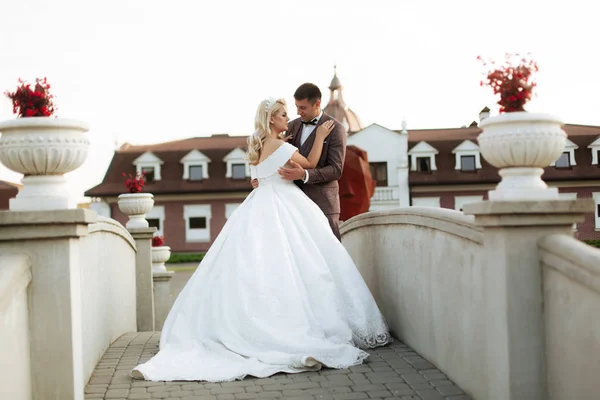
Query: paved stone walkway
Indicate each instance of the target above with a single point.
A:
(391, 372)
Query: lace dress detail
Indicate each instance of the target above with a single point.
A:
(276, 292)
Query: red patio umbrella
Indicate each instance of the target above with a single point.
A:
(356, 184)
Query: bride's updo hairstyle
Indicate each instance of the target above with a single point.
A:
(266, 108)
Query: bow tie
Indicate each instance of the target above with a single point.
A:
(311, 122)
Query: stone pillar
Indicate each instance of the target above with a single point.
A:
(515, 321)
(163, 300)
(143, 278)
(50, 239)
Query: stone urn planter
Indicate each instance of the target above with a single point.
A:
(160, 255)
(136, 206)
(521, 144)
(43, 149)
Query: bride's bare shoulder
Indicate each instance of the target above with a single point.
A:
(270, 147)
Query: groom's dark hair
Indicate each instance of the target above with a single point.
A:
(308, 91)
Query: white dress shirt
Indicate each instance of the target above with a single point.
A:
(308, 129)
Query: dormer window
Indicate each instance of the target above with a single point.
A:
(195, 166)
(595, 148)
(149, 165)
(196, 172)
(424, 164)
(467, 163)
(467, 157)
(148, 173)
(237, 164)
(563, 161)
(422, 157)
(238, 171)
(567, 158)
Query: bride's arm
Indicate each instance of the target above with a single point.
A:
(315, 152)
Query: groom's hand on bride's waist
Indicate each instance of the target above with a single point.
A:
(293, 173)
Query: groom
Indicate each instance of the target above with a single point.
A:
(321, 183)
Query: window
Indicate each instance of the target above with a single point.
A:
(195, 172)
(467, 163)
(156, 218)
(595, 149)
(148, 172)
(379, 173)
(422, 157)
(154, 222)
(197, 223)
(149, 164)
(563, 161)
(195, 166)
(596, 197)
(237, 166)
(238, 171)
(567, 158)
(424, 164)
(467, 156)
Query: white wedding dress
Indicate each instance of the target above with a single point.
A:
(276, 292)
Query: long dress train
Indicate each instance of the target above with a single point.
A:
(276, 292)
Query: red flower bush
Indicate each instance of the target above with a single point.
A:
(512, 80)
(28, 102)
(136, 183)
(158, 241)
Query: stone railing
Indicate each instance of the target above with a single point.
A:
(466, 293)
(82, 296)
(423, 266)
(108, 301)
(15, 366)
(386, 193)
(571, 281)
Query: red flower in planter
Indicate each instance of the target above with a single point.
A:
(158, 241)
(28, 102)
(136, 183)
(512, 80)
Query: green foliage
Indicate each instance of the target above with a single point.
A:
(595, 243)
(177, 258)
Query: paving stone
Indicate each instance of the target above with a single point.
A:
(228, 390)
(430, 395)
(207, 397)
(414, 378)
(379, 394)
(246, 396)
(450, 390)
(160, 395)
(368, 388)
(392, 372)
(421, 386)
(163, 388)
(351, 396)
(116, 393)
(138, 396)
(181, 393)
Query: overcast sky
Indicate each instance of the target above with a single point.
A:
(153, 71)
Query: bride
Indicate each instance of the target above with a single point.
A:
(277, 291)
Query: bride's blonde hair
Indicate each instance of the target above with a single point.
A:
(256, 141)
